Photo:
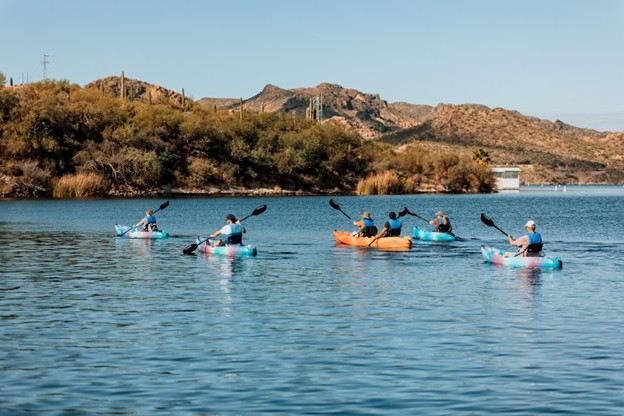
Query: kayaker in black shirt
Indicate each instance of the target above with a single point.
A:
(392, 227)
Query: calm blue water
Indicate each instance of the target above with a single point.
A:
(93, 324)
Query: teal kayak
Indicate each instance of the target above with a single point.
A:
(131, 232)
(426, 235)
(497, 256)
(206, 246)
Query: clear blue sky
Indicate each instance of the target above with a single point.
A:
(551, 58)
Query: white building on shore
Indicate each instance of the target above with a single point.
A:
(507, 178)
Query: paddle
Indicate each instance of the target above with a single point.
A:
(487, 221)
(334, 205)
(407, 211)
(192, 247)
(162, 206)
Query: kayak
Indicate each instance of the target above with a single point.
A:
(136, 233)
(497, 256)
(426, 235)
(386, 243)
(227, 250)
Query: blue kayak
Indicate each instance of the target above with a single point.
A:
(426, 235)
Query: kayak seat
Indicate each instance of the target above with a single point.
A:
(235, 239)
(369, 231)
(534, 250)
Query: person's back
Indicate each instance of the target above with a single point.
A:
(393, 226)
(530, 244)
(367, 225)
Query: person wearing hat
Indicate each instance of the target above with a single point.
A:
(231, 232)
(367, 225)
(530, 243)
(149, 222)
(442, 223)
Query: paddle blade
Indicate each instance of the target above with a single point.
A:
(403, 212)
(190, 249)
(486, 220)
(333, 204)
(165, 205)
(259, 210)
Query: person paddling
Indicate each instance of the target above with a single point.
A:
(530, 243)
(231, 232)
(442, 223)
(149, 222)
(367, 225)
(392, 227)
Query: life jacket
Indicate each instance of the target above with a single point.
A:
(151, 223)
(534, 248)
(441, 227)
(395, 228)
(369, 229)
(235, 236)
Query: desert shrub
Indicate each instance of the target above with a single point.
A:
(80, 185)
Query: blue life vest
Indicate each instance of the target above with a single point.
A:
(443, 228)
(369, 229)
(534, 238)
(235, 236)
(395, 227)
(150, 219)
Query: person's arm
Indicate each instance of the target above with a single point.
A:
(384, 230)
(524, 240)
(242, 226)
(142, 222)
(359, 224)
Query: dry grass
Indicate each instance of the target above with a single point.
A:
(385, 183)
(81, 185)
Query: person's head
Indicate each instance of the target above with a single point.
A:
(366, 215)
(439, 214)
(231, 218)
(392, 216)
(149, 212)
(530, 225)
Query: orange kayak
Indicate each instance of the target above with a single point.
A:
(386, 243)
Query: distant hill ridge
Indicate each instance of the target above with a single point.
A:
(547, 151)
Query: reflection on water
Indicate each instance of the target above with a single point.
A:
(91, 323)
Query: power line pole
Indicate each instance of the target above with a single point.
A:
(45, 63)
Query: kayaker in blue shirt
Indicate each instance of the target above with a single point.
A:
(530, 243)
(149, 222)
(231, 232)
(392, 227)
(442, 223)
(367, 225)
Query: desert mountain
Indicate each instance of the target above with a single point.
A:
(546, 151)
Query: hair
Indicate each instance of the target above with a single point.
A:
(392, 215)
(231, 217)
(149, 212)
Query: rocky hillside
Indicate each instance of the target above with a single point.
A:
(138, 90)
(546, 151)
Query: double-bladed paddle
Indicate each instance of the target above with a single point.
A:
(192, 247)
(162, 206)
(407, 211)
(334, 205)
(487, 221)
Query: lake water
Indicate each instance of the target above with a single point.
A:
(94, 324)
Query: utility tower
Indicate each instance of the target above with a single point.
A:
(45, 63)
